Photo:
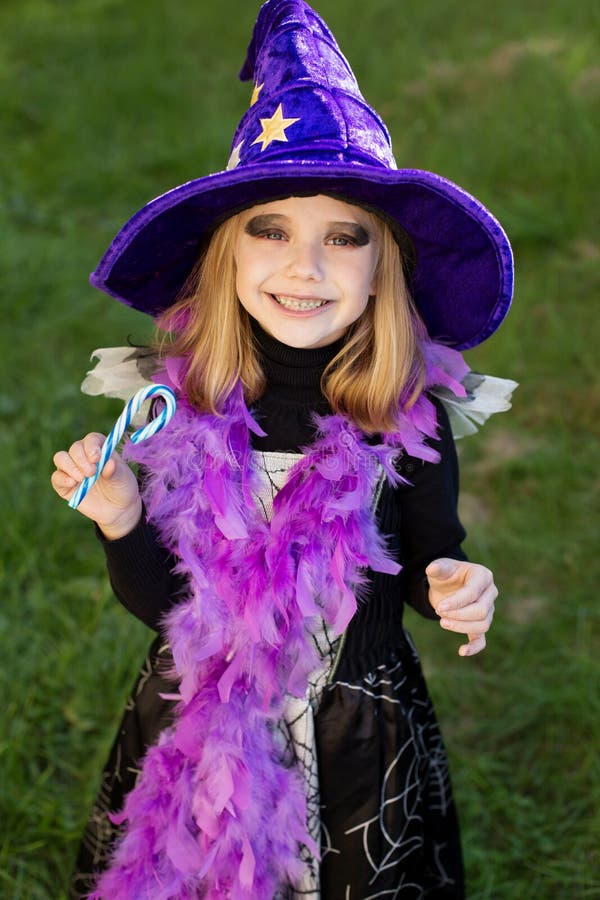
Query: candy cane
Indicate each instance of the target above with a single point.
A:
(121, 426)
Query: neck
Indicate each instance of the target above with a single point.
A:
(296, 367)
(293, 391)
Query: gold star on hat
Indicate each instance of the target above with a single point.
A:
(273, 129)
(256, 93)
(234, 159)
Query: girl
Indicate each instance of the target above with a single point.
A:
(305, 489)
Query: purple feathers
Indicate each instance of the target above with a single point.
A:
(217, 812)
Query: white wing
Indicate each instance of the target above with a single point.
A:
(121, 372)
(486, 395)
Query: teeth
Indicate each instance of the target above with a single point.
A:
(292, 303)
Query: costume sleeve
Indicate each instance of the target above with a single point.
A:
(429, 523)
(141, 573)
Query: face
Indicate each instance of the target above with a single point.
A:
(306, 267)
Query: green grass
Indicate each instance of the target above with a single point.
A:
(105, 104)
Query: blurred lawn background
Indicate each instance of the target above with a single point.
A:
(106, 104)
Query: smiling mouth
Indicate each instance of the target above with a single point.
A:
(295, 303)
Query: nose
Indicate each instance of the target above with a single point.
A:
(305, 261)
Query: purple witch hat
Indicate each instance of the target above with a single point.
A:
(309, 130)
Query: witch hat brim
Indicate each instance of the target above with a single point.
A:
(310, 131)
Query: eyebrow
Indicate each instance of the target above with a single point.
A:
(258, 223)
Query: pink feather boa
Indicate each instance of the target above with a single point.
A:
(215, 812)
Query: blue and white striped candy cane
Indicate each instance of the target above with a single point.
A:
(120, 427)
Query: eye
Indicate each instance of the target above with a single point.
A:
(342, 240)
(264, 228)
(272, 235)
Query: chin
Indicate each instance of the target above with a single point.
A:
(294, 337)
(306, 343)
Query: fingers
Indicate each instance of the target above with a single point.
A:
(470, 609)
(475, 645)
(77, 463)
(448, 576)
(475, 581)
(470, 605)
(114, 503)
(63, 484)
(475, 618)
(81, 457)
(86, 453)
(442, 569)
(474, 628)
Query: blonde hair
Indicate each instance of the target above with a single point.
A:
(378, 371)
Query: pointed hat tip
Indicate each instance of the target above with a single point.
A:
(271, 16)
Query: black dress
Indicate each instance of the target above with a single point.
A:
(388, 822)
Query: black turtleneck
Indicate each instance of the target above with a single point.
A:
(293, 392)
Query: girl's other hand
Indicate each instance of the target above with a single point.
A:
(114, 502)
(463, 594)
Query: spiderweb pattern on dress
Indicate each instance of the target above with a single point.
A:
(403, 783)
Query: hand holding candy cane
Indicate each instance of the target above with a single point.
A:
(96, 481)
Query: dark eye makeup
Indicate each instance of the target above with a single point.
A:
(340, 233)
(351, 232)
(259, 226)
